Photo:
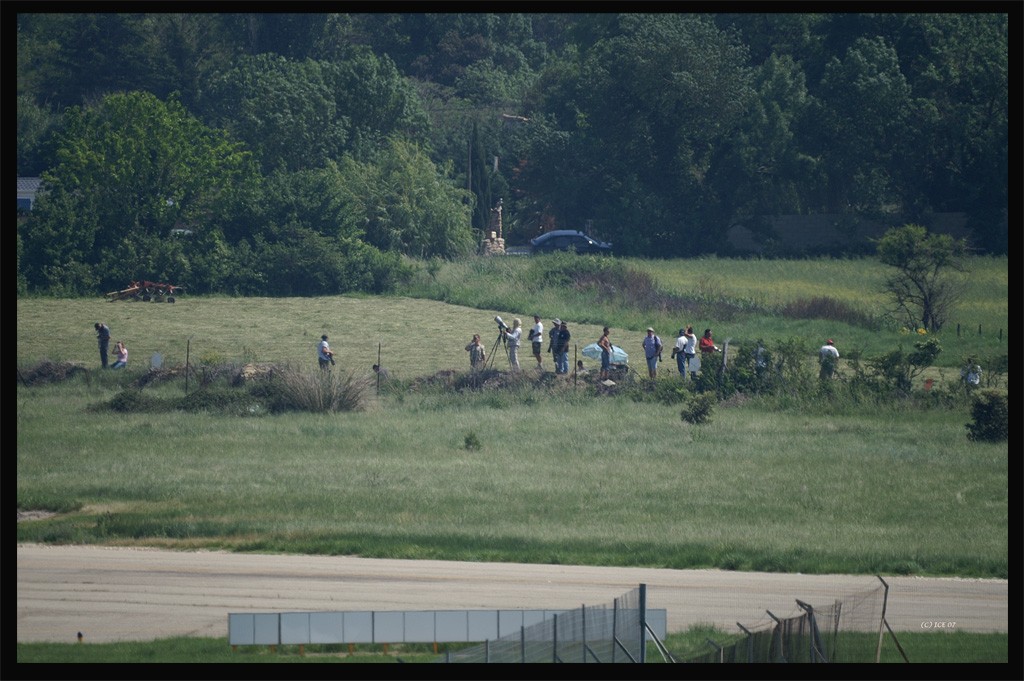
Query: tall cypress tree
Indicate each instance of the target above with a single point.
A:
(480, 182)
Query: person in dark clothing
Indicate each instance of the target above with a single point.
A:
(103, 339)
(562, 349)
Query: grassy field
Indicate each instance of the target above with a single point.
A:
(561, 475)
(426, 330)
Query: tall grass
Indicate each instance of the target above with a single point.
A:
(748, 299)
(558, 477)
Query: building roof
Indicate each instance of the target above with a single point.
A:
(29, 184)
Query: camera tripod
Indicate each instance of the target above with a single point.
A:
(500, 340)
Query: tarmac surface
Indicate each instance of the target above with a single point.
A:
(131, 594)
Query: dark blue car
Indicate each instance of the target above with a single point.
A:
(568, 239)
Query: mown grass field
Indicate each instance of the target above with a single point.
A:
(561, 475)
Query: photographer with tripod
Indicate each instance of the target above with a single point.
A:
(502, 339)
(513, 338)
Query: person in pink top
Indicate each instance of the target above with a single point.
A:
(122, 355)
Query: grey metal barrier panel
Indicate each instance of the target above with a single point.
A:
(326, 627)
(295, 627)
(241, 629)
(358, 627)
(419, 627)
(388, 627)
(267, 629)
(400, 626)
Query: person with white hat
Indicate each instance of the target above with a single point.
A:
(652, 351)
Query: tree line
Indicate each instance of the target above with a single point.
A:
(305, 154)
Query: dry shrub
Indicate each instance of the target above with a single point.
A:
(824, 307)
(320, 391)
(50, 372)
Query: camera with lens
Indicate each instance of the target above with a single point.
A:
(502, 326)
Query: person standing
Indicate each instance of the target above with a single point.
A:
(324, 354)
(562, 349)
(605, 344)
(679, 353)
(536, 336)
(707, 344)
(971, 374)
(690, 351)
(652, 351)
(477, 355)
(103, 339)
(513, 336)
(556, 326)
(122, 355)
(828, 356)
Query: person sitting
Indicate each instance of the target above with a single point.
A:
(122, 355)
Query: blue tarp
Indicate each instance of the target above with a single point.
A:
(619, 356)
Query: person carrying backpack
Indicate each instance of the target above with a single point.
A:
(652, 351)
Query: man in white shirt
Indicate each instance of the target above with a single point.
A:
(828, 357)
(537, 337)
(324, 354)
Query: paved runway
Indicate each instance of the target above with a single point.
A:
(120, 594)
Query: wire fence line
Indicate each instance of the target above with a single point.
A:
(850, 629)
(609, 633)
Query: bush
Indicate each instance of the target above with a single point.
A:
(991, 418)
(135, 401)
(698, 410)
(318, 391)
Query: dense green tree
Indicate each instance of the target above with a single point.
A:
(865, 103)
(766, 167)
(405, 204)
(36, 129)
(652, 101)
(283, 110)
(68, 59)
(130, 168)
(656, 130)
(299, 114)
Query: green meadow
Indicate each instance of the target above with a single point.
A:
(533, 468)
(539, 469)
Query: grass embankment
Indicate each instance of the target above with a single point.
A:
(800, 301)
(931, 648)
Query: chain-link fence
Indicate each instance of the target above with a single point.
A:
(846, 630)
(613, 632)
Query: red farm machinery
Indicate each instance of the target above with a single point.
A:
(147, 291)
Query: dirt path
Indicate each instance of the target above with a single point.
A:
(114, 594)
